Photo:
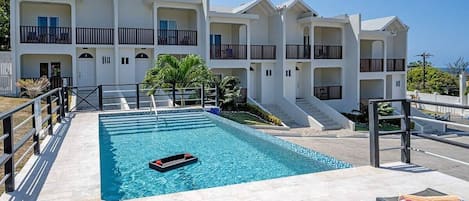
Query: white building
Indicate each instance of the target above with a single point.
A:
(302, 67)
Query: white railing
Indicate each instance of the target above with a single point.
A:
(154, 106)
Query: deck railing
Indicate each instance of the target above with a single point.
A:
(263, 52)
(405, 117)
(136, 36)
(95, 36)
(177, 37)
(395, 65)
(328, 92)
(26, 134)
(40, 34)
(327, 52)
(55, 82)
(228, 51)
(298, 52)
(371, 65)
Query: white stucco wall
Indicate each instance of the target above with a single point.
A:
(327, 36)
(135, 14)
(230, 33)
(294, 30)
(30, 64)
(185, 19)
(371, 89)
(30, 11)
(103, 9)
(259, 27)
(237, 72)
(327, 76)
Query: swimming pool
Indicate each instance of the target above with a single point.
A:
(229, 153)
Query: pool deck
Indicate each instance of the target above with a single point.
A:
(68, 169)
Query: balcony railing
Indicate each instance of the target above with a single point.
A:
(371, 65)
(328, 92)
(228, 51)
(40, 34)
(55, 81)
(136, 36)
(95, 36)
(177, 37)
(394, 65)
(263, 51)
(327, 52)
(298, 51)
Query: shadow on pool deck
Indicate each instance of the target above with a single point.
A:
(32, 181)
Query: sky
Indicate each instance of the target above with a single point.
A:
(440, 27)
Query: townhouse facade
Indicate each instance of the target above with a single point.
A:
(287, 56)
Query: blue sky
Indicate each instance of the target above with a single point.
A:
(440, 27)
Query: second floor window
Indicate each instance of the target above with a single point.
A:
(168, 25)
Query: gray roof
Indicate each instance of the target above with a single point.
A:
(378, 24)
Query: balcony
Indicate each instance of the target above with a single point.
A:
(177, 37)
(136, 36)
(327, 52)
(228, 51)
(395, 65)
(328, 92)
(371, 65)
(95, 36)
(42, 34)
(262, 52)
(298, 51)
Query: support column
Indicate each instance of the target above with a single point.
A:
(116, 41)
(311, 36)
(248, 40)
(155, 27)
(385, 55)
(15, 55)
(74, 21)
(462, 88)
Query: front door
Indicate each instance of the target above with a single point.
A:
(86, 72)
(44, 69)
(299, 84)
(142, 65)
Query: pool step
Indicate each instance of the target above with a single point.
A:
(161, 125)
(152, 122)
(157, 129)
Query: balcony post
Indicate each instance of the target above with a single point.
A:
(248, 33)
(385, 64)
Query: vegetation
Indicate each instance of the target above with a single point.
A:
(261, 113)
(33, 88)
(172, 72)
(229, 92)
(244, 118)
(458, 67)
(361, 118)
(436, 80)
(4, 18)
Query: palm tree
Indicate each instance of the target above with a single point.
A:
(33, 88)
(230, 92)
(173, 72)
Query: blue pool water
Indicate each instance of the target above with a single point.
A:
(228, 153)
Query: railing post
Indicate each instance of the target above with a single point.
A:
(100, 97)
(374, 133)
(62, 102)
(59, 103)
(202, 96)
(405, 137)
(137, 90)
(49, 112)
(66, 102)
(37, 147)
(8, 149)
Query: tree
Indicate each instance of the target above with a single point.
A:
(177, 73)
(437, 80)
(230, 92)
(4, 18)
(458, 67)
(33, 88)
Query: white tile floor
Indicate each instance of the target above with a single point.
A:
(69, 170)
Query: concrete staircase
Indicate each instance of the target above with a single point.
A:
(322, 118)
(278, 112)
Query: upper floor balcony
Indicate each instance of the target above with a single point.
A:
(263, 52)
(328, 43)
(136, 36)
(298, 51)
(327, 52)
(395, 65)
(95, 36)
(45, 34)
(371, 65)
(228, 51)
(228, 41)
(177, 26)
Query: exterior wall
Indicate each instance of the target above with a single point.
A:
(237, 72)
(371, 89)
(259, 27)
(327, 36)
(135, 15)
(29, 12)
(294, 30)
(327, 77)
(230, 33)
(85, 8)
(30, 64)
(185, 19)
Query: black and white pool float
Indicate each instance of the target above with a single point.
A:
(172, 162)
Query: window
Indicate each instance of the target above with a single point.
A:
(44, 69)
(125, 60)
(106, 60)
(142, 56)
(85, 56)
(168, 25)
(215, 39)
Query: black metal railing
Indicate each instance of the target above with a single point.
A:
(328, 92)
(327, 52)
(39, 34)
(228, 51)
(177, 37)
(15, 137)
(55, 81)
(136, 36)
(371, 65)
(5, 44)
(263, 52)
(406, 132)
(394, 65)
(298, 51)
(95, 36)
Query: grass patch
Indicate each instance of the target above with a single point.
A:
(382, 127)
(244, 118)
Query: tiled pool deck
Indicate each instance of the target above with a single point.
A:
(69, 169)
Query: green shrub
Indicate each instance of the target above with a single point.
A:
(260, 113)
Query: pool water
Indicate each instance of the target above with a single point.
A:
(228, 153)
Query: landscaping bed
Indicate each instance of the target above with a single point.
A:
(245, 118)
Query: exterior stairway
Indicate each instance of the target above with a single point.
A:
(328, 123)
(277, 111)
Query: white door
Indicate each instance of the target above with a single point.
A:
(141, 68)
(86, 72)
(299, 84)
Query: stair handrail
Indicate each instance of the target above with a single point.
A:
(153, 102)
